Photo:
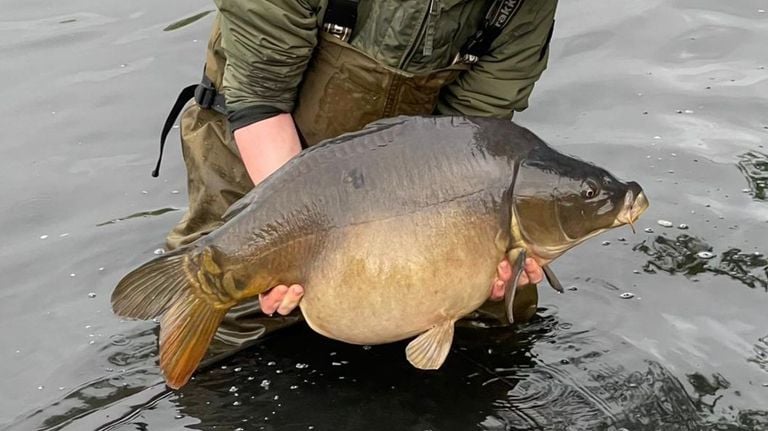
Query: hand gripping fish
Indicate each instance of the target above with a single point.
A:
(395, 231)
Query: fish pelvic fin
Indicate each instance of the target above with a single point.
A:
(191, 293)
(552, 279)
(429, 350)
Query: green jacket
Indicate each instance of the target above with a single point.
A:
(268, 44)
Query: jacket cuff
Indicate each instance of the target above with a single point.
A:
(252, 114)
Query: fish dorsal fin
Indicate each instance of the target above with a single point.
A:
(429, 350)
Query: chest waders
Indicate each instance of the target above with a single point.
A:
(343, 89)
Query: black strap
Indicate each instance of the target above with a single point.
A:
(205, 95)
(499, 15)
(186, 94)
(342, 13)
(208, 98)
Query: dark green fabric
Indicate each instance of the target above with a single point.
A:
(251, 114)
(268, 45)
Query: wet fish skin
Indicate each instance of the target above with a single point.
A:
(394, 231)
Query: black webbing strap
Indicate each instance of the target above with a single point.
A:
(341, 12)
(499, 15)
(205, 95)
(186, 94)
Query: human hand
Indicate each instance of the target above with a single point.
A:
(532, 274)
(282, 299)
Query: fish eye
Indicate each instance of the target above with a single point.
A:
(589, 189)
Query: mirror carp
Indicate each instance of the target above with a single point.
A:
(395, 231)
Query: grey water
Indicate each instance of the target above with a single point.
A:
(665, 329)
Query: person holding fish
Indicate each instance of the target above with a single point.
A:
(282, 75)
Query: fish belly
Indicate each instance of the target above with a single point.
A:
(388, 280)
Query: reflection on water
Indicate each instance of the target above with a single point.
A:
(152, 213)
(707, 388)
(130, 369)
(761, 355)
(186, 21)
(598, 394)
(689, 255)
(754, 166)
(669, 359)
(494, 379)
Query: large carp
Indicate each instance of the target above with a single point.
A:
(394, 231)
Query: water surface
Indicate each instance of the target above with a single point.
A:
(672, 94)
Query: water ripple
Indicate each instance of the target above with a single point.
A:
(761, 355)
(13, 33)
(690, 255)
(141, 214)
(754, 166)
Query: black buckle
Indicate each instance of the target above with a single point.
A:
(341, 32)
(205, 94)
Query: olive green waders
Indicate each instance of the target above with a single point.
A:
(343, 90)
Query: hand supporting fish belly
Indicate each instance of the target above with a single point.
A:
(284, 299)
(396, 231)
(281, 299)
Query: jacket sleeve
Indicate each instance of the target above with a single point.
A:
(502, 80)
(268, 44)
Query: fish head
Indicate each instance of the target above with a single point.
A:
(560, 201)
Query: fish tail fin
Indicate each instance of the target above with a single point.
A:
(149, 290)
(168, 286)
(186, 330)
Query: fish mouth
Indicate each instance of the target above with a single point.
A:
(635, 203)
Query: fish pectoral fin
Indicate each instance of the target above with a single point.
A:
(429, 350)
(509, 294)
(552, 279)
